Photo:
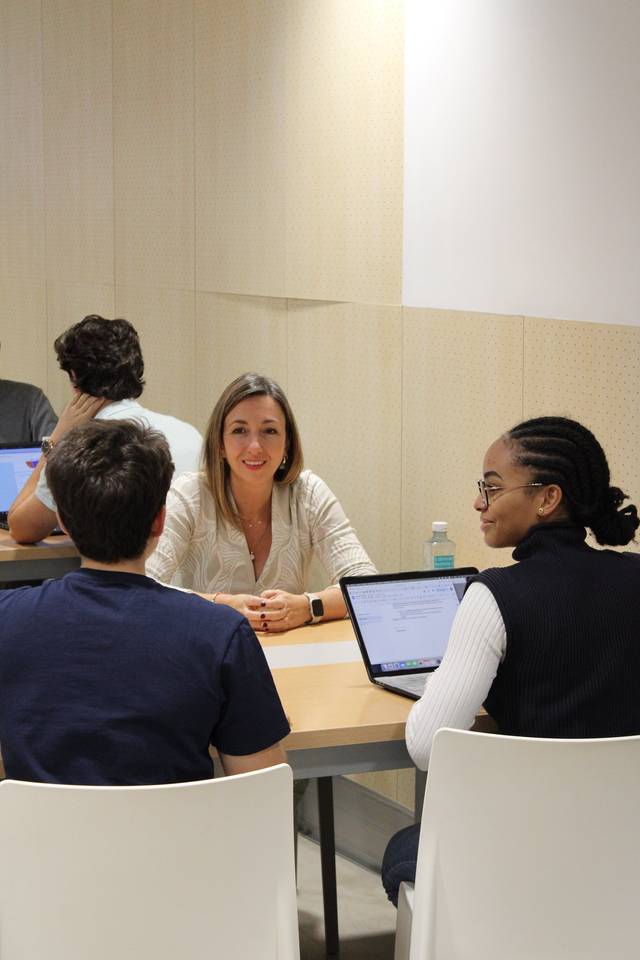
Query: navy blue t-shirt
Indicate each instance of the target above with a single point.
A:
(111, 678)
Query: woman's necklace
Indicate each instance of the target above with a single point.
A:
(253, 550)
(255, 522)
(251, 523)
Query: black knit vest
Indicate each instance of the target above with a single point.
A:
(572, 617)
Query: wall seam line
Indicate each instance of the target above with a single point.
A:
(44, 202)
(113, 159)
(401, 498)
(522, 374)
(195, 213)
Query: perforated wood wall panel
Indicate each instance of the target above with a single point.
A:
(462, 387)
(166, 322)
(344, 150)
(78, 141)
(344, 383)
(21, 158)
(240, 60)
(236, 335)
(591, 373)
(153, 100)
(23, 330)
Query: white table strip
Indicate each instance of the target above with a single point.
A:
(312, 654)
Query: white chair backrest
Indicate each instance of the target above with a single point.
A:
(529, 849)
(185, 871)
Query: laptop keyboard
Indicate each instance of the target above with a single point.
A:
(415, 683)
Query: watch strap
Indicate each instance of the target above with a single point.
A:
(316, 608)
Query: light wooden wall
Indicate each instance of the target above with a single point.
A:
(227, 174)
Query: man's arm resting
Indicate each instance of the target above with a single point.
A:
(29, 518)
(253, 761)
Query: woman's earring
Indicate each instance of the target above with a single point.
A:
(284, 460)
(540, 511)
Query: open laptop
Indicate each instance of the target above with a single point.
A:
(402, 623)
(17, 461)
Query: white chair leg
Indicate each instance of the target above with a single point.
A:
(403, 923)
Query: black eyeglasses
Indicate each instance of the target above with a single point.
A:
(489, 493)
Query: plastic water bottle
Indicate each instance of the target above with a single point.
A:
(439, 551)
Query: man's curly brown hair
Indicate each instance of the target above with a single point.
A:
(102, 357)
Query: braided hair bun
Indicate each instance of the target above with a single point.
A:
(611, 524)
(563, 452)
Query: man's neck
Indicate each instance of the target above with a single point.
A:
(133, 564)
(125, 566)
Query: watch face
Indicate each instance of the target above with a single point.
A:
(317, 607)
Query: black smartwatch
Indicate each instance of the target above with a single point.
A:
(316, 608)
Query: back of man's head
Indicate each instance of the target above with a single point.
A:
(110, 479)
(103, 357)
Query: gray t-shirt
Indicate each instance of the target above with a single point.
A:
(26, 416)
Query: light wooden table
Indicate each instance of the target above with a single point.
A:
(331, 705)
(51, 557)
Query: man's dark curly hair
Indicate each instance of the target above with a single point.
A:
(102, 357)
(109, 479)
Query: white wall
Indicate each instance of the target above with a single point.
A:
(522, 157)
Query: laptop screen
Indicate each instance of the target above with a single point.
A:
(16, 463)
(403, 621)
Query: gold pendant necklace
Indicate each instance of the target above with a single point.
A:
(252, 552)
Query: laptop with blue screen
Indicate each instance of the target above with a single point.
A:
(402, 623)
(17, 462)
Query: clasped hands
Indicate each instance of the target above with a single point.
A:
(274, 611)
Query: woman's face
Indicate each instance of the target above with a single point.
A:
(254, 439)
(513, 505)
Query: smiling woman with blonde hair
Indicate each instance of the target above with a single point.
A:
(244, 530)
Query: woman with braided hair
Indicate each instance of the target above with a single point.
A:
(551, 644)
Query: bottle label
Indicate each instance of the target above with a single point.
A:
(444, 562)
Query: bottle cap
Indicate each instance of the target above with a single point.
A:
(439, 526)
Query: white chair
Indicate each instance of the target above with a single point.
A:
(190, 871)
(529, 850)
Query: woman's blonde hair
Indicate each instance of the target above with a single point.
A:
(216, 467)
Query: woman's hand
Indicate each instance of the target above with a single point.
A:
(282, 611)
(248, 605)
(275, 611)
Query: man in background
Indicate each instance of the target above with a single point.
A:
(104, 362)
(26, 416)
(108, 677)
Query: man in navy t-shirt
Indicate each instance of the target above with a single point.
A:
(107, 677)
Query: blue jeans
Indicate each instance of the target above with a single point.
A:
(399, 861)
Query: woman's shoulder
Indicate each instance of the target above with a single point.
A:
(307, 480)
(629, 556)
(309, 489)
(498, 579)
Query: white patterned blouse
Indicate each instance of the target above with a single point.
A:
(210, 555)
